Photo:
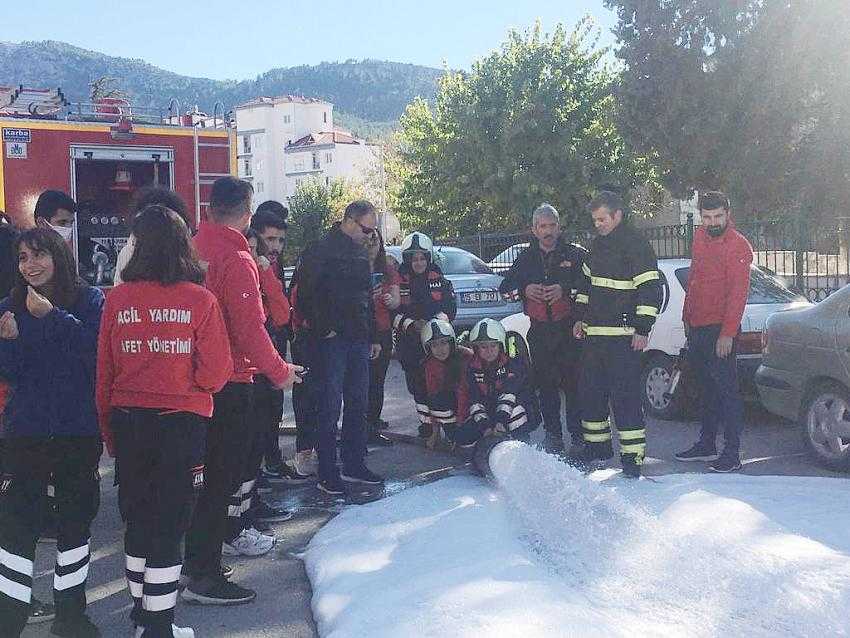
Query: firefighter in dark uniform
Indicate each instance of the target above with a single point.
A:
(501, 399)
(545, 276)
(616, 306)
(425, 294)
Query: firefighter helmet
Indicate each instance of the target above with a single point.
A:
(435, 330)
(417, 242)
(488, 330)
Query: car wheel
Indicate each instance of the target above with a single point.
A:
(826, 426)
(655, 381)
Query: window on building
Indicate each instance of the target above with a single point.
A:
(327, 181)
(298, 165)
(246, 167)
(246, 144)
(298, 182)
(316, 164)
(260, 187)
(329, 158)
(325, 117)
(287, 119)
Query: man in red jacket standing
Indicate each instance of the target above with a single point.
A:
(718, 285)
(232, 276)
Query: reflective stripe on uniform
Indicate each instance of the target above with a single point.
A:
(631, 435)
(633, 448)
(72, 568)
(609, 331)
(595, 425)
(617, 284)
(602, 437)
(649, 311)
(582, 298)
(642, 278)
(585, 269)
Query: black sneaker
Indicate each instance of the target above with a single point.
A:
(265, 513)
(78, 627)
(334, 487)
(40, 612)
(362, 475)
(219, 592)
(726, 464)
(631, 469)
(699, 452)
(284, 474)
(376, 438)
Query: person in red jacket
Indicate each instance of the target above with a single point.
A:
(718, 285)
(162, 353)
(446, 390)
(232, 276)
(385, 299)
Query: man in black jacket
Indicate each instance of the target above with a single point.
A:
(334, 295)
(545, 276)
(617, 302)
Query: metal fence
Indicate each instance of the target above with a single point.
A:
(813, 259)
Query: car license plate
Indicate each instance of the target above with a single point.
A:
(480, 296)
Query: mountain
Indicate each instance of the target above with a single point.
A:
(369, 95)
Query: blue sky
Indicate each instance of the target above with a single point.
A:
(240, 39)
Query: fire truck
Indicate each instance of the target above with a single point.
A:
(101, 153)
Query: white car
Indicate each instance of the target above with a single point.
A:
(767, 296)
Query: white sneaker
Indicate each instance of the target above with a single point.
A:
(179, 632)
(304, 463)
(255, 533)
(248, 543)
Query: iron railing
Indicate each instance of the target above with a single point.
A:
(812, 259)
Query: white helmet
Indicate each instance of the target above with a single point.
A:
(488, 330)
(435, 330)
(417, 242)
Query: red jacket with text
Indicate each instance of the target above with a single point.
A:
(233, 278)
(163, 347)
(718, 281)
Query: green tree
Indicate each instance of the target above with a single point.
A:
(531, 122)
(751, 96)
(313, 209)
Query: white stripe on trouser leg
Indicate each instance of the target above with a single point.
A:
(135, 575)
(167, 576)
(20, 565)
(245, 504)
(72, 578)
(234, 508)
(518, 418)
(160, 603)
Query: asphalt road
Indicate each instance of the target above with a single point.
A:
(282, 609)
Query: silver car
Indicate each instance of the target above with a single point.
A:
(805, 375)
(476, 286)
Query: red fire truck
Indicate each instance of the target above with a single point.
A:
(100, 154)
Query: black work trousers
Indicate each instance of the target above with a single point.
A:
(554, 366)
(225, 461)
(611, 373)
(160, 459)
(268, 411)
(29, 463)
(377, 377)
(304, 404)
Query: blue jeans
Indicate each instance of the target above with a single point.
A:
(341, 374)
(721, 407)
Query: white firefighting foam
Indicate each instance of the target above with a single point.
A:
(548, 552)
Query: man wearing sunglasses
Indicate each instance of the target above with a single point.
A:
(334, 296)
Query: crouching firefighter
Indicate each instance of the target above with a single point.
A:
(425, 294)
(501, 398)
(616, 306)
(445, 389)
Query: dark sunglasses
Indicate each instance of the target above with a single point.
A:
(367, 230)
